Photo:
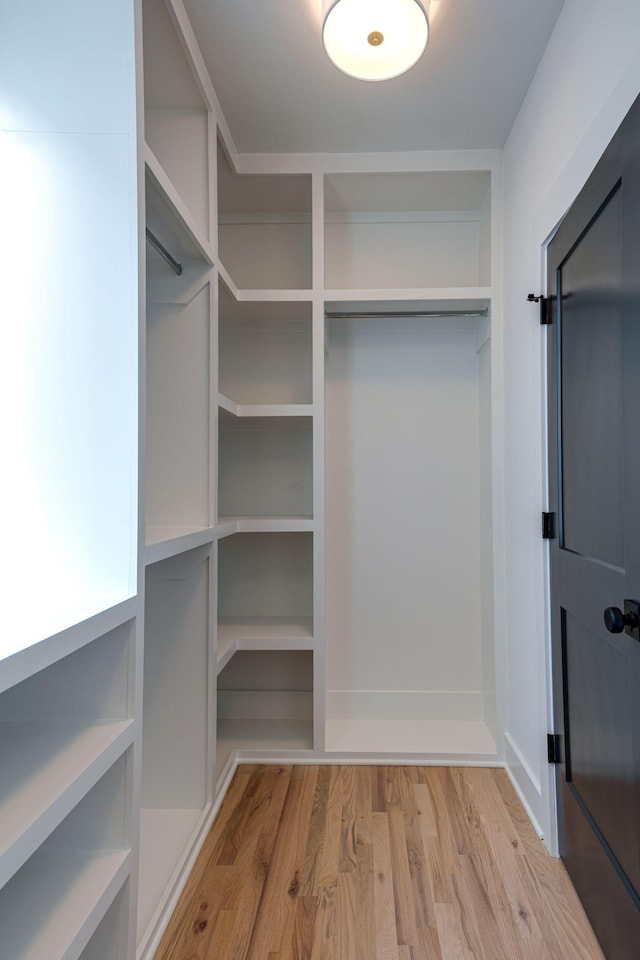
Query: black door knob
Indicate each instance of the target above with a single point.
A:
(615, 620)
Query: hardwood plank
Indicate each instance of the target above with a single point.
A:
(366, 918)
(348, 857)
(304, 928)
(317, 830)
(386, 931)
(274, 924)
(346, 932)
(402, 886)
(364, 806)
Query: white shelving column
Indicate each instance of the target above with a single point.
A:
(266, 439)
(408, 443)
(178, 449)
(68, 159)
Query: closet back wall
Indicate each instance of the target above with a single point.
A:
(404, 521)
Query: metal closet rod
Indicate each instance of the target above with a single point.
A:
(401, 314)
(164, 253)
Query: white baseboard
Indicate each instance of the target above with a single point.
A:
(526, 785)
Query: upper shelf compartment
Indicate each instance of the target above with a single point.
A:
(407, 230)
(264, 231)
(176, 116)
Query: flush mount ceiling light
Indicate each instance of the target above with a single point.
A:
(375, 39)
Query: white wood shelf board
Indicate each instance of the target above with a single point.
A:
(428, 298)
(49, 765)
(253, 295)
(171, 212)
(264, 409)
(251, 309)
(84, 629)
(255, 524)
(165, 542)
(434, 737)
(255, 633)
(166, 837)
(224, 528)
(51, 908)
(259, 735)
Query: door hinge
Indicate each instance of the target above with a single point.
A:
(548, 526)
(553, 748)
(545, 308)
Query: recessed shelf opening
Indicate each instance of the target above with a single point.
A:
(264, 227)
(409, 230)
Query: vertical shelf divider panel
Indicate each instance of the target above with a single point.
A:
(178, 401)
(176, 782)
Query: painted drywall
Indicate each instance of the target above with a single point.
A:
(587, 79)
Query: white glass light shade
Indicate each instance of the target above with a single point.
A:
(374, 39)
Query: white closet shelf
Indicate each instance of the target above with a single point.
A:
(263, 294)
(264, 409)
(266, 524)
(25, 663)
(69, 890)
(176, 206)
(260, 737)
(451, 739)
(166, 838)
(262, 633)
(52, 765)
(165, 542)
(432, 298)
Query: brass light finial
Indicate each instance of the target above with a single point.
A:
(375, 38)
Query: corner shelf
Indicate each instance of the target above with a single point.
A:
(261, 633)
(264, 409)
(165, 542)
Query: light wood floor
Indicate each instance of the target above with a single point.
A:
(376, 863)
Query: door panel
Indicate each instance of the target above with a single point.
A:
(599, 723)
(591, 521)
(594, 457)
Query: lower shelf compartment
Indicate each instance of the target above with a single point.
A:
(165, 837)
(50, 909)
(464, 738)
(258, 735)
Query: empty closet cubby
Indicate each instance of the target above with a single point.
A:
(60, 731)
(266, 577)
(109, 942)
(410, 654)
(265, 466)
(409, 230)
(175, 115)
(265, 350)
(264, 228)
(73, 877)
(265, 702)
(178, 400)
(175, 775)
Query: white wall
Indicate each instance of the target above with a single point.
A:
(403, 521)
(588, 78)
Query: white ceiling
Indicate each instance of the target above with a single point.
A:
(280, 92)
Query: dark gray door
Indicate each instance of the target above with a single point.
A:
(594, 445)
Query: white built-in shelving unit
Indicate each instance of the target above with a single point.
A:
(266, 527)
(70, 632)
